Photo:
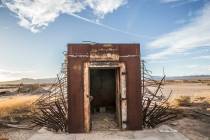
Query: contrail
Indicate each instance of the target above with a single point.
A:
(110, 27)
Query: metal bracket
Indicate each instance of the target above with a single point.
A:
(123, 73)
(125, 122)
(123, 99)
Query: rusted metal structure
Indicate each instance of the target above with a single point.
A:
(104, 76)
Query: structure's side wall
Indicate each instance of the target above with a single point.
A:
(133, 94)
(75, 95)
(77, 55)
(131, 58)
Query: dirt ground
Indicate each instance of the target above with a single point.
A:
(193, 90)
(193, 125)
(193, 129)
(17, 134)
(104, 121)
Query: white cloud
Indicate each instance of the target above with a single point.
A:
(194, 35)
(37, 14)
(200, 69)
(102, 7)
(13, 75)
(177, 3)
(202, 57)
(192, 66)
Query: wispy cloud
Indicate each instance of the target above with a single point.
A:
(177, 3)
(13, 75)
(192, 66)
(202, 57)
(174, 1)
(194, 35)
(110, 27)
(169, 1)
(199, 69)
(37, 14)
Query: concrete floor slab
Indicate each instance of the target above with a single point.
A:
(154, 134)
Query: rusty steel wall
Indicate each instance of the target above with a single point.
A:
(78, 54)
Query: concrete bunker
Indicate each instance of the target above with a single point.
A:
(104, 87)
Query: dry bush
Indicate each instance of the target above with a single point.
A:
(27, 88)
(16, 107)
(184, 101)
(51, 109)
(155, 103)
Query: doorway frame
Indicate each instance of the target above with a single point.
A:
(122, 91)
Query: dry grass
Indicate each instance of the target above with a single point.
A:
(184, 101)
(187, 101)
(16, 107)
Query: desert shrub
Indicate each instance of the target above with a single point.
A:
(155, 104)
(184, 101)
(17, 108)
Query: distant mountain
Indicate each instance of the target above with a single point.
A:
(190, 77)
(30, 81)
(52, 80)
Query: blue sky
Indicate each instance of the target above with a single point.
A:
(174, 34)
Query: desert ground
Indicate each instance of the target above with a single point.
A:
(190, 97)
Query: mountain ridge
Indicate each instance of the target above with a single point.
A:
(52, 80)
(30, 81)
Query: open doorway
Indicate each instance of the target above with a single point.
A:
(104, 99)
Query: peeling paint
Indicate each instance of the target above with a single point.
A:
(122, 57)
(104, 54)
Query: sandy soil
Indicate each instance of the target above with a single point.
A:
(17, 134)
(191, 126)
(188, 89)
(104, 121)
(161, 133)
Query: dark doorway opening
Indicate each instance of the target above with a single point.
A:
(103, 88)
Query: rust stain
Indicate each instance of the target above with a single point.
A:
(104, 54)
(77, 67)
(125, 58)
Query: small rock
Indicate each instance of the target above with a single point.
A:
(173, 123)
(42, 130)
(166, 129)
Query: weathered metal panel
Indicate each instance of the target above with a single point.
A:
(134, 120)
(78, 49)
(75, 95)
(128, 50)
(104, 53)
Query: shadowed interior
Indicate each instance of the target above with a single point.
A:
(103, 98)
